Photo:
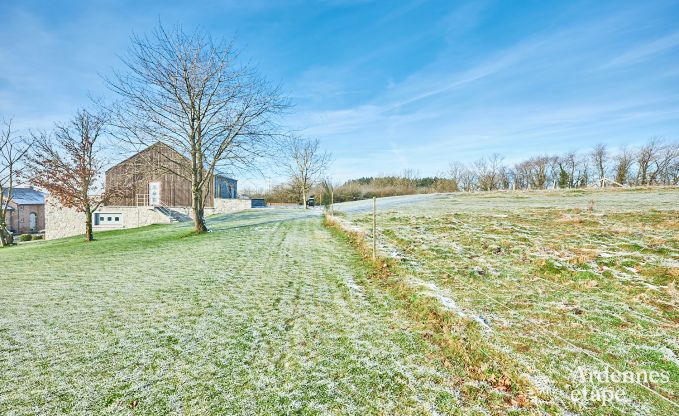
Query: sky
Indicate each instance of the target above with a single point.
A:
(385, 85)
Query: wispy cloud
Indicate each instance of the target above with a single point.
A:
(645, 51)
(384, 85)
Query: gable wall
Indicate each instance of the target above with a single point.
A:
(153, 164)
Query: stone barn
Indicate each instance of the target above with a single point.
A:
(156, 177)
(152, 189)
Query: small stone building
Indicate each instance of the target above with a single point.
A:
(26, 211)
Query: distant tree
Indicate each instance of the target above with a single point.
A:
(12, 151)
(522, 174)
(327, 191)
(188, 91)
(408, 180)
(622, 165)
(574, 170)
(539, 171)
(305, 163)
(554, 170)
(488, 170)
(468, 180)
(455, 172)
(599, 156)
(68, 164)
(564, 178)
(664, 164)
(645, 157)
(504, 177)
(673, 166)
(443, 184)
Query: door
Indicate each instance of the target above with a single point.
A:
(33, 221)
(154, 193)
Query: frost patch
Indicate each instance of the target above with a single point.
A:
(351, 284)
(448, 303)
(666, 352)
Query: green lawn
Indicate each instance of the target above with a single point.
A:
(486, 304)
(268, 314)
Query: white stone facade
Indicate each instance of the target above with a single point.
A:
(61, 222)
(225, 206)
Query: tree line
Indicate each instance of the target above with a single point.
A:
(655, 163)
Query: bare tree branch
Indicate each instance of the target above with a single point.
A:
(187, 91)
(13, 148)
(305, 164)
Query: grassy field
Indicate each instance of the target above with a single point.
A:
(486, 304)
(559, 284)
(265, 315)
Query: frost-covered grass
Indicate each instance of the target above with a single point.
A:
(563, 280)
(268, 314)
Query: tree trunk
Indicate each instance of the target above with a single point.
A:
(198, 212)
(304, 197)
(4, 235)
(89, 236)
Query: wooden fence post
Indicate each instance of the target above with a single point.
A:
(374, 228)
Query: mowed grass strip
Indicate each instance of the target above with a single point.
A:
(268, 314)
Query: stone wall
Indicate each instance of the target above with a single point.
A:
(225, 206)
(222, 206)
(61, 222)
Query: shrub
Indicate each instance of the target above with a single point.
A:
(38, 237)
(25, 237)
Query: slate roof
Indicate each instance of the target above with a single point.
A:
(27, 196)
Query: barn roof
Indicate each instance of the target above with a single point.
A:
(161, 144)
(26, 196)
(228, 178)
(156, 144)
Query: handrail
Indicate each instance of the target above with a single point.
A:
(142, 200)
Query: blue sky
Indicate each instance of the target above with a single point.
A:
(387, 85)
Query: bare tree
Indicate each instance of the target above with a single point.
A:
(644, 158)
(622, 167)
(522, 174)
(408, 180)
(504, 177)
(599, 156)
(573, 170)
(12, 151)
(468, 179)
(68, 164)
(305, 164)
(663, 164)
(187, 91)
(673, 166)
(456, 171)
(488, 172)
(539, 171)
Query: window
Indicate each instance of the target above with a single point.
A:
(108, 219)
